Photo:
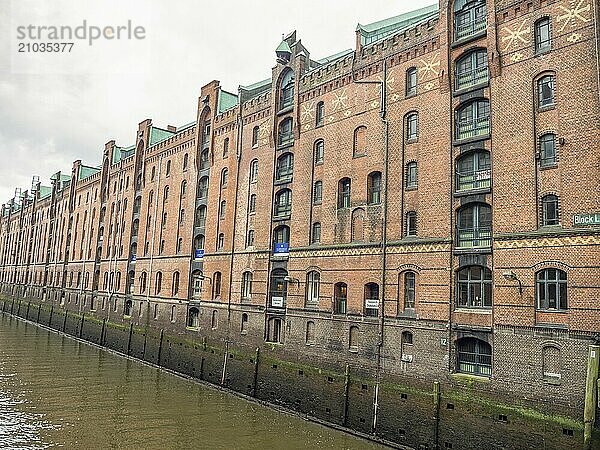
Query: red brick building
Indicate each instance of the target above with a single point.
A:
(424, 205)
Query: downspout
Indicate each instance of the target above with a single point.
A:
(385, 123)
(111, 283)
(238, 155)
(87, 247)
(149, 278)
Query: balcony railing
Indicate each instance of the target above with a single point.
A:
(474, 77)
(478, 126)
(474, 237)
(468, 181)
(465, 30)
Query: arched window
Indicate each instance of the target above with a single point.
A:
(255, 136)
(285, 167)
(548, 150)
(203, 187)
(224, 177)
(551, 363)
(168, 169)
(222, 209)
(193, 318)
(274, 329)
(320, 114)
(158, 284)
(340, 297)
(183, 188)
(221, 241)
(200, 216)
(313, 284)
(204, 160)
(281, 235)
(252, 204)
(179, 245)
(166, 193)
(550, 214)
(283, 202)
(118, 282)
(206, 133)
(406, 342)
(469, 18)
(319, 151)
(318, 193)
(196, 285)
(543, 35)
(412, 126)
(143, 281)
(286, 90)
(411, 81)
(411, 175)
(411, 223)
(127, 308)
(286, 135)
(472, 69)
(551, 289)
(175, 287)
(310, 333)
(316, 233)
(198, 245)
(344, 190)
(173, 313)
(410, 290)
(374, 188)
(353, 338)
(137, 205)
(474, 287)
(473, 171)
(474, 356)
(473, 119)
(135, 227)
(217, 285)
(474, 226)
(181, 215)
(244, 325)
(546, 89)
(250, 238)
(254, 171)
(225, 147)
(371, 300)
(278, 294)
(357, 225)
(247, 286)
(133, 251)
(185, 161)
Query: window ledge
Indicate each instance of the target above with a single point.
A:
(285, 145)
(412, 140)
(551, 311)
(542, 51)
(465, 309)
(319, 163)
(483, 137)
(547, 107)
(548, 166)
(470, 377)
(317, 203)
(463, 250)
(283, 181)
(473, 87)
(358, 155)
(285, 110)
(319, 125)
(466, 192)
(192, 328)
(282, 218)
(411, 94)
(411, 188)
(353, 350)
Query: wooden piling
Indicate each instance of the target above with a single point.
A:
(591, 396)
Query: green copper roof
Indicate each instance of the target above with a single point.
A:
(158, 135)
(378, 30)
(86, 171)
(334, 57)
(283, 47)
(45, 192)
(226, 101)
(254, 90)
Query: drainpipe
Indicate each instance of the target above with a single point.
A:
(113, 258)
(385, 123)
(238, 155)
(87, 247)
(149, 279)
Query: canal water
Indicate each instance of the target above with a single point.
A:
(58, 392)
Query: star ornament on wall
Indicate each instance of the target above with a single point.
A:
(574, 14)
(515, 36)
(340, 101)
(308, 111)
(430, 67)
(390, 80)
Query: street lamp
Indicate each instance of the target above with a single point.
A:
(511, 276)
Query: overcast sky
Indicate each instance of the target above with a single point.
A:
(56, 108)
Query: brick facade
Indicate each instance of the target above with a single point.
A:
(130, 239)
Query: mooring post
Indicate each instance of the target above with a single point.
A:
(81, 325)
(51, 313)
(145, 340)
(162, 333)
(224, 371)
(65, 320)
(255, 381)
(129, 340)
(436, 411)
(103, 331)
(202, 368)
(346, 394)
(591, 396)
